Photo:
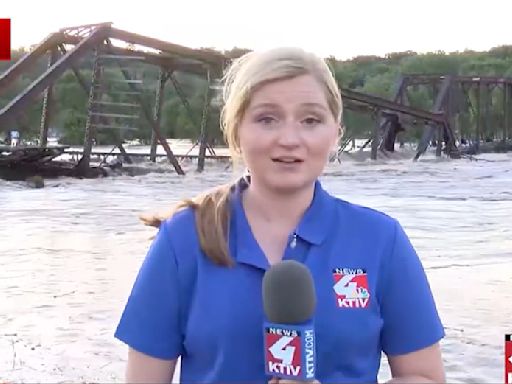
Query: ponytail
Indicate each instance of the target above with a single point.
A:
(212, 214)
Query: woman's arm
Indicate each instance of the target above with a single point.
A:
(412, 326)
(150, 323)
(423, 366)
(142, 368)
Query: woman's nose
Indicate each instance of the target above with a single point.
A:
(289, 134)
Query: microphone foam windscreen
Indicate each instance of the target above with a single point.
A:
(288, 293)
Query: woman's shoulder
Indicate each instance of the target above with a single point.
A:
(360, 214)
(180, 230)
(181, 221)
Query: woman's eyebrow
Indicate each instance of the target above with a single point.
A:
(274, 105)
(315, 105)
(263, 105)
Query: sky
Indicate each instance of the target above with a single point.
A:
(340, 28)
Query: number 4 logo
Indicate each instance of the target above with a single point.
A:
(282, 351)
(346, 287)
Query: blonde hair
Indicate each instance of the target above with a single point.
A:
(245, 75)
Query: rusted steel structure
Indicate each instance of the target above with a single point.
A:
(389, 116)
(20, 163)
(451, 95)
(447, 121)
(67, 46)
(463, 94)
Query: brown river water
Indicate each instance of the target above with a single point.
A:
(69, 253)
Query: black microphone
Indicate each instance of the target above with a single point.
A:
(289, 301)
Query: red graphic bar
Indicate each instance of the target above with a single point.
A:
(5, 39)
(508, 359)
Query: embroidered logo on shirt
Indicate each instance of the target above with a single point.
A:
(351, 287)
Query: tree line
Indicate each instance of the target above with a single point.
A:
(370, 74)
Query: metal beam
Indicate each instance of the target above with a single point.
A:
(47, 110)
(479, 116)
(157, 111)
(419, 79)
(81, 80)
(90, 125)
(211, 57)
(386, 127)
(382, 103)
(428, 133)
(203, 137)
(400, 87)
(375, 135)
(86, 87)
(20, 103)
(168, 62)
(79, 28)
(28, 60)
(147, 113)
(506, 110)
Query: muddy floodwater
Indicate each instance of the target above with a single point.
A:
(69, 253)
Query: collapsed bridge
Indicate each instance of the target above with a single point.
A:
(112, 47)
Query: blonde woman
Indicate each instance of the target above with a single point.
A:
(198, 293)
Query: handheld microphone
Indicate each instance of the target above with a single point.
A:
(289, 301)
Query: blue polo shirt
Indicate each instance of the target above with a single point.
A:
(373, 295)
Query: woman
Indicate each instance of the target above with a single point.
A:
(198, 292)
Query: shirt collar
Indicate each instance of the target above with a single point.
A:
(316, 221)
(313, 227)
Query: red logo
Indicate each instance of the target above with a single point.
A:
(283, 351)
(508, 359)
(351, 287)
(5, 39)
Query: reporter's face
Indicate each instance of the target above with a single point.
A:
(287, 133)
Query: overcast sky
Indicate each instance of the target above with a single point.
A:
(342, 28)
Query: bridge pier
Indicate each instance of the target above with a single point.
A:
(90, 131)
(48, 103)
(157, 113)
(375, 135)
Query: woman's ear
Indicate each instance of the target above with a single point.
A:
(339, 135)
(341, 130)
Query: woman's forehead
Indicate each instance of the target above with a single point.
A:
(304, 90)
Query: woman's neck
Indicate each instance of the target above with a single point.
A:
(283, 209)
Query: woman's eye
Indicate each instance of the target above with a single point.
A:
(312, 121)
(265, 120)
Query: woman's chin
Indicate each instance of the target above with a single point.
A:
(289, 183)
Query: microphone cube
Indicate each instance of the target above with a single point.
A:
(290, 351)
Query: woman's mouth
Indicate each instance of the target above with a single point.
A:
(287, 160)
